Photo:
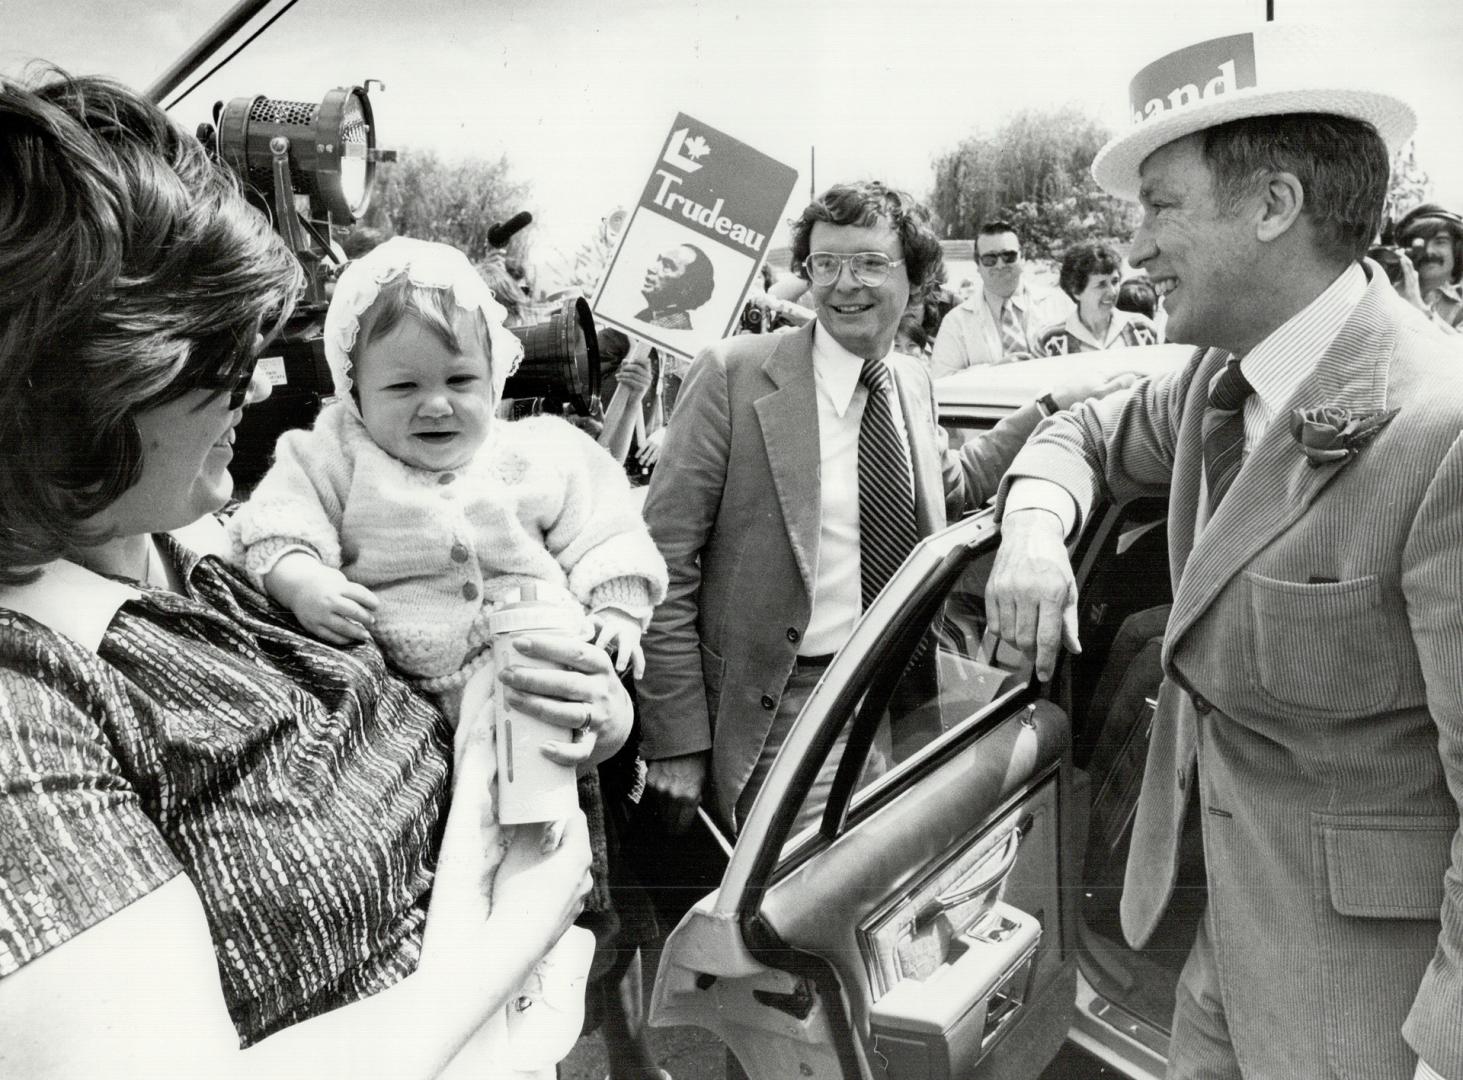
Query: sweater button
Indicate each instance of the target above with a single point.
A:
(768, 701)
(459, 552)
(792, 634)
(446, 478)
(469, 591)
(1201, 705)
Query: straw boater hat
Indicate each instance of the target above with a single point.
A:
(1275, 68)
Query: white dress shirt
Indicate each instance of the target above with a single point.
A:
(837, 592)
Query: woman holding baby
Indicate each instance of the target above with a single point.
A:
(225, 843)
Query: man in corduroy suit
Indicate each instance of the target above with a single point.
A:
(1312, 456)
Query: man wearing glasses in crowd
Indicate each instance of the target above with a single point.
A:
(999, 324)
(771, 518)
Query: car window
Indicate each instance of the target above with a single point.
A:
(951, 674)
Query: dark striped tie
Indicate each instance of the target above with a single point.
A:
(1224, 431)
(885, 496)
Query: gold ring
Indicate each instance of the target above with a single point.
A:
(583, 728)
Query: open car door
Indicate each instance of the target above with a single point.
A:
(912, 919)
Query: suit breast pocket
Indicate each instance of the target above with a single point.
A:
(1329, 648)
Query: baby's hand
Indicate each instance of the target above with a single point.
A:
(620, 634)
(335, 609)
(327, 604)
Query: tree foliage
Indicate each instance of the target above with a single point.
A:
(1032, 171)
(1409, 186)
(455, 202)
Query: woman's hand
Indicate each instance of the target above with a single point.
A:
(580, 694)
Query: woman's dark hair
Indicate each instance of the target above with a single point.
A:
(1138, 296)
(507, 289)
(1082, 261)
(868, 202)
(135, 272)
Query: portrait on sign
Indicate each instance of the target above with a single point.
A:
(674, 286)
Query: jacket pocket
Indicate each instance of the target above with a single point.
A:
(1387, 866)
(1376, 908)
(1325, 648)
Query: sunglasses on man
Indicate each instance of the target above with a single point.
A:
(870, 268)
(991, 258)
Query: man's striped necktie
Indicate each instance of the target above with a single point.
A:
(885, 492)
(1224, 431)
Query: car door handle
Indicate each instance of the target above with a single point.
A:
(965, 893)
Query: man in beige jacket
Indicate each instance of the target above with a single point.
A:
(1312, 456)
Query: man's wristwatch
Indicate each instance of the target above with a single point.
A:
(1048, 405)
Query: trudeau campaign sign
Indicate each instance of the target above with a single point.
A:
(694, 239)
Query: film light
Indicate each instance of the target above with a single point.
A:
(330, 148)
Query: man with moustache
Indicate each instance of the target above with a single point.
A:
(1312, 711)
(1434, 236)
(1001, 322)
(799, 470)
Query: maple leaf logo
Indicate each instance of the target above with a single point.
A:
(696, 147)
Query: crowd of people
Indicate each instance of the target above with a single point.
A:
(250, 770)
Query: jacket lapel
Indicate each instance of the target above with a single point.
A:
(1277, 482)
(789, 419)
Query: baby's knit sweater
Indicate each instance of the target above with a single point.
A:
(540, 502)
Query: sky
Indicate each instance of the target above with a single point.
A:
(579, 94)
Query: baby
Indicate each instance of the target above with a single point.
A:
(408, 511)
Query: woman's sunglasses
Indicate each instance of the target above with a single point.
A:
(234, 373)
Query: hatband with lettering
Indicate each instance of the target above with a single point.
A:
(1272, 69)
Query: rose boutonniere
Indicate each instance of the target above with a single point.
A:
(1331, 433)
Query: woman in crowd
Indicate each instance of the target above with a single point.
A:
(1090, 275)
(213, 828)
